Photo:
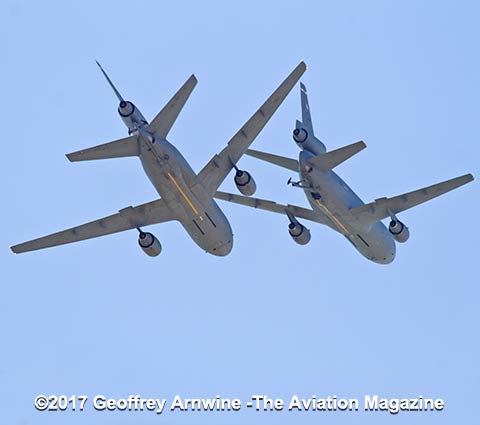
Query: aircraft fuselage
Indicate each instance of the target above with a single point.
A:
(330, 196)
(180, 188)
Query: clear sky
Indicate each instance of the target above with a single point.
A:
(274, 318)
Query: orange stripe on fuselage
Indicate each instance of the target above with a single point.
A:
(189, 202)
(331, 216)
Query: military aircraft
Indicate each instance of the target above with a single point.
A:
(334, 203)
(184, 195)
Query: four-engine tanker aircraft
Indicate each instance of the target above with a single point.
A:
(184, 195)
(334, 203)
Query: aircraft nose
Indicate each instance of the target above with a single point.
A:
(224, 249)
(386, 259)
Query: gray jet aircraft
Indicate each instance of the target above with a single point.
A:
(334, 203)
(184, 195)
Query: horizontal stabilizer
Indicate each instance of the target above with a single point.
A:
(381, 208)
(127, 146)
(281, 161)
(329, 160)
(163, 122)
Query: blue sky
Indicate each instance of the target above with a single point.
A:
(100, 317)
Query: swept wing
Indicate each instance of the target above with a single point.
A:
(272, 206)
(381, 208)
(128, 218)
(214, 173)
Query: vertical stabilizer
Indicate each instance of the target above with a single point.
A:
(306, 117)
(129, 113)
(120, 98)
(303, 134)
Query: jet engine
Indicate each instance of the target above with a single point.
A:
(149, 244)
(299, 233)
(245, 183)
(126, 108)
(304, 140)
(300, 135)
(131, 116)
(399, 231)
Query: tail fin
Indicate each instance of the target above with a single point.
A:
(127, 146)
(310, 142)
(163, 122)
(120, 98)
(306, 117)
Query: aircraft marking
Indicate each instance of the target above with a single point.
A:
(189, 202)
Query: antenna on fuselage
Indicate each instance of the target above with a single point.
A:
(120, 98)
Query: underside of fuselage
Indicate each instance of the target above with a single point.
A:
(180, 188)
(333, 199)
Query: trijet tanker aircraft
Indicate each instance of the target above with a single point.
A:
(334, 203)
(184, 195)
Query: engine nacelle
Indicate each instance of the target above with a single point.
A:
(300, 135)
(245, 183)
(149, 244)
(299, 233)
(305, 140)
(131, 116)
(399, 231)
(126, 108)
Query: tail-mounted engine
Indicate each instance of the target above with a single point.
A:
(299, 233)
(126, 108)
(300, 135)
(131, 116)
(244, 182)
(305, 140)
(149, 244)
(399, 231)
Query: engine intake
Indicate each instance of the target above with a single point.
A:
(149, 244)
(245, 183)
(399, 231)
(126, 108)
(300, 135)
(305, 140)
(299, 233)
(131, 116)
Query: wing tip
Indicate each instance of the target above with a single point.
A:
(14, 249)
(75, 156)
(461, 180)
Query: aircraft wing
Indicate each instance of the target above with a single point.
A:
(272, 206)
(381, 208)
(127, 218)
(214, 173)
